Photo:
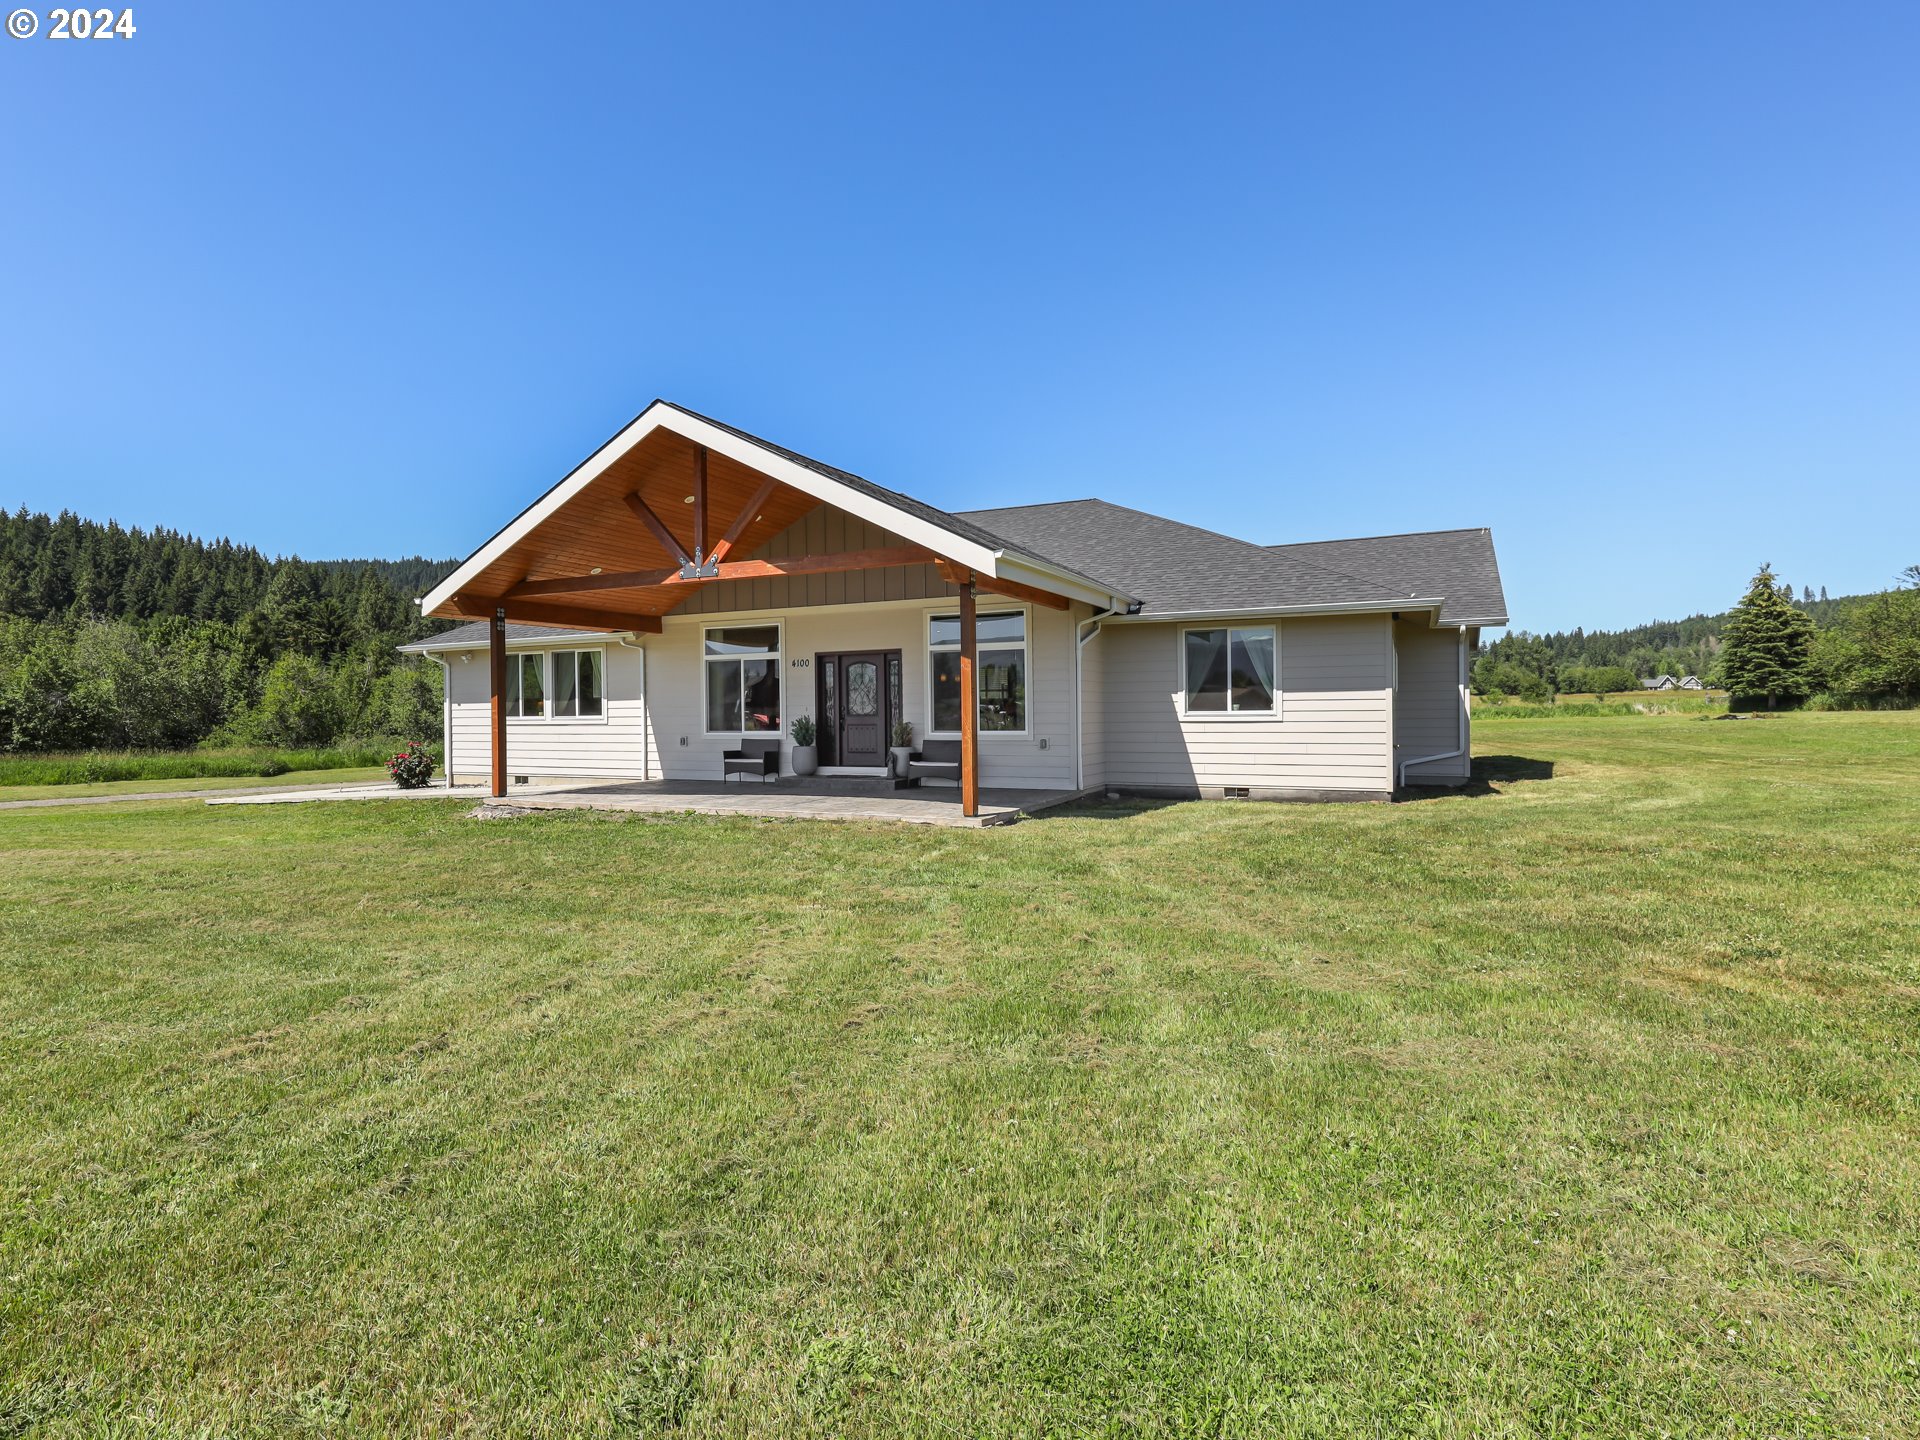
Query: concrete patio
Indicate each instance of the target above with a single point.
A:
(813, 798)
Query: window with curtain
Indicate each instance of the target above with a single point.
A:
(1230, 670)
(577, 688)
(743, 679)
(1001, 641)
(526, 686)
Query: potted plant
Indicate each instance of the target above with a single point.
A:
(806, 756)
(902, 748)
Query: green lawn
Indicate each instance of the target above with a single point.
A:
(1587, 1104)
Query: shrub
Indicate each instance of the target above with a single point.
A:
(412, 767)
(803, 733)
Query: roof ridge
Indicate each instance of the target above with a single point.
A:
(1389, 535)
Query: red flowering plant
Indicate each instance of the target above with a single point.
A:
(411, 768)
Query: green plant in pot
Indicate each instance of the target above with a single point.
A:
(806, 755)
(902, 748)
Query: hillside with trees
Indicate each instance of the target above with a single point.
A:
(1850, 649)
(125, 638)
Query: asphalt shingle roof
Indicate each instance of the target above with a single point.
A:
(463, 637)
(1457, 564)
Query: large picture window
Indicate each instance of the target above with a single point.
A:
(1231, 670)
(742, 665)
(577, 689)
(1001, 641)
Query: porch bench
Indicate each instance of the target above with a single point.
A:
(754, 757)
(935, 760)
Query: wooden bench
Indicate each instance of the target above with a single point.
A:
(754, 757)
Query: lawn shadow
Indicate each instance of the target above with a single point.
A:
(1488, 772)
(1124, 807)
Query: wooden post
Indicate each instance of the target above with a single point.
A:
(700, 511)
(497, 694)
(969, 703)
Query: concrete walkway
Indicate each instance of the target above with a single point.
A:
(814, 798)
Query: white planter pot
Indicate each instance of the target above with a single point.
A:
(806, 759)
(900, 754)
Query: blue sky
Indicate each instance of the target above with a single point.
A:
(1636, 285)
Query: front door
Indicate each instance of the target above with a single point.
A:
(863, 709)
(857, 699)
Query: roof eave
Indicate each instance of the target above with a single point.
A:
(1349, 607)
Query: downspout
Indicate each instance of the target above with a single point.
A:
(1461, 748)
(1080, 696)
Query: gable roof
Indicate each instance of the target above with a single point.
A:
(1106, 554)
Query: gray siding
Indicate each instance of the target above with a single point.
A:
(822, 531)
(613, 748)
(1427, 703)
(1333, 733)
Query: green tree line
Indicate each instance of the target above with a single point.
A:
(1775, 644)
(117, 637)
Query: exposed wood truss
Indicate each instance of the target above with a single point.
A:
(959, 575)
(731, 570)
(526, 612)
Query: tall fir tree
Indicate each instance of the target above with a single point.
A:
(1769, 644)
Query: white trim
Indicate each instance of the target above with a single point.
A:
(859, 772)
(944, 608)
(1229, 715)
(661, 415)
(546, 650)
(779, 654)
(1370, 607)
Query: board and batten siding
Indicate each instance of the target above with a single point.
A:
(823, 530)
(615, 748)
(1334, 733)
(1427, 702)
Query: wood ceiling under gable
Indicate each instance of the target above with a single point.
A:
(596, 529)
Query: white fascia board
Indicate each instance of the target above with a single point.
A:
(1022, 571)
(1370, 607)
(543, 642)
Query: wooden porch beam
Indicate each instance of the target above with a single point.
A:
(659, 528)
(740, 522)
(510, 607)
(700, 507)
(730, 570)
(1012, 589)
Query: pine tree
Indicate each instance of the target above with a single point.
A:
(1769, 644)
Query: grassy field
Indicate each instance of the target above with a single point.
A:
(1587, 1103)
(96, 767)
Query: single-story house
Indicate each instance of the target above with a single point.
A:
(1659, 682)
(1691, 682)
(690, 586)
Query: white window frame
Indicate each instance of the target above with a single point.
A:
(779, 669)
(1234, 717)
(929, 650)
(545, 657)
(553, 689)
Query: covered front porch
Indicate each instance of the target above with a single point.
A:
(736, 588)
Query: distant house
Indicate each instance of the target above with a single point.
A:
(691, 587)
(1660, 682)
(1692, 682)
